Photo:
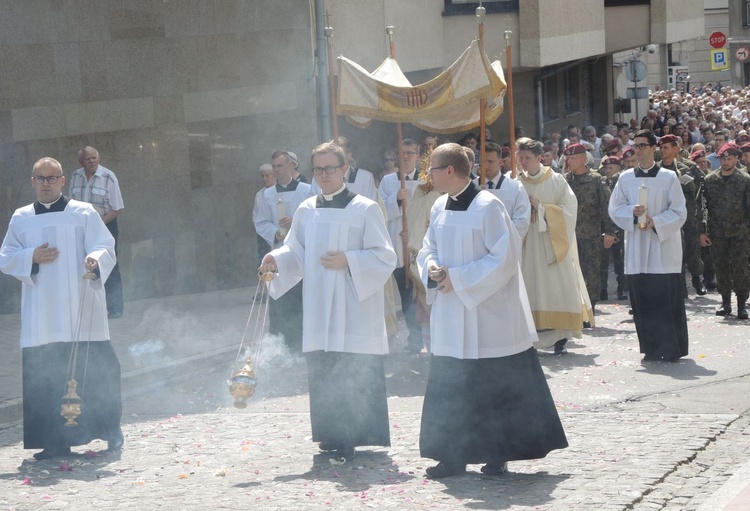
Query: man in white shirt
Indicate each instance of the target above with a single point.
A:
(97, 185)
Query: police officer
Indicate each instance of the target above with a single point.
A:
(727, 230)
(593, 222)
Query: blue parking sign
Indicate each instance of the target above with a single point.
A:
(719, 59)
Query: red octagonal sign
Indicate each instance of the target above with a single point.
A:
(717, 40)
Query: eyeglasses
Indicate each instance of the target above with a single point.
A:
(50, 179)
(641, 146)
(328, 170)
(433, 169)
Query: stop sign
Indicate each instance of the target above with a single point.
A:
(717, 40)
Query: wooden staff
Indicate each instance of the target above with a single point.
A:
(482, 103)
(332, 78)
(404, 223)
(509, 66)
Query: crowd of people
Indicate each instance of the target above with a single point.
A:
(487, 264)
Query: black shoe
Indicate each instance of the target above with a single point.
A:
(324, 446)
(622, 294)
(114, 315)
(725, 309)
(116, 442)
(700, 289)
(586, 324)
(445, 469)
(651, 358)
(741, 311)
(560, 347)
(603, 296)
(345, 454)
(710, 284)
(495, 469)
(52, 452)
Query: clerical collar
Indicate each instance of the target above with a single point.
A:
(649, 172)
(537, 175)
(49, 205)
(334, 194)
(455, 197)
(56, 207)
(290, 187)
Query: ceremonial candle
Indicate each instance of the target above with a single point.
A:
(642, 201)
(281, 212)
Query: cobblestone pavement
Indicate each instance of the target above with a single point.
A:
(264, 458)
(643, 436)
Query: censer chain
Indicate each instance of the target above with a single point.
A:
(260, 288)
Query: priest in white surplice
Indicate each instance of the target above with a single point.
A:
(510, 191)
(487, 399)
(272, 223)
(653, 251)
(48, 246)
(396, 200)
(557, 292)
(339, 247)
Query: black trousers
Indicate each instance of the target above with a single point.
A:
(113, 286)
(407, 305)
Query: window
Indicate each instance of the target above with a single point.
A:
(470, 6)
(549, 98)
(615, 3)
(745, 6)
(571, 91)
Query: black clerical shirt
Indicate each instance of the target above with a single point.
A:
(463, 200)
(339, 201)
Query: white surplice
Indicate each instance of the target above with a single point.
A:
(388, 189)
(50, 298)
(343, 309)
(516, 201)
(364, 184)
(487, 314)
(657, 250)
(267, 220)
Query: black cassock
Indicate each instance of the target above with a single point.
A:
(489, 409)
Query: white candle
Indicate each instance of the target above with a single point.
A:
(281, 213)
(642, 201)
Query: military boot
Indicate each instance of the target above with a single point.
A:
(700, 289)
(741, 307)
(726, 306)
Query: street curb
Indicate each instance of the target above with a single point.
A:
(136, 381)
(734, 495)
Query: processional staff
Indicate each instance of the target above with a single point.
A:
(480, 12)
(509, 66)
(390, 30)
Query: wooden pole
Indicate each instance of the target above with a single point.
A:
(390, 30)
(332, 79)
(482, 104)
(509, 67)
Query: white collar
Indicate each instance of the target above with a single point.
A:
(334, 194)
(455, 197)
(49, 205)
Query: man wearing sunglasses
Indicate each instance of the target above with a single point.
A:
(338, 246)
(649, 206)
(49, 246)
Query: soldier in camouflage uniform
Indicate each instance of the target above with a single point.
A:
(709, 275)
(611, 167)
(727, 231)
(669, 146)
(593, 220)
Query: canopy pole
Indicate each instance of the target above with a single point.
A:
(509, 67)
(332, 78)
(390, 30)
(480, 12)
